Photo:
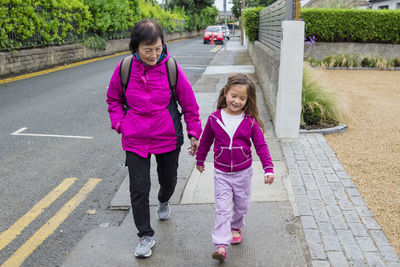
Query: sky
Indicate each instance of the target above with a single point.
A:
(220, 5)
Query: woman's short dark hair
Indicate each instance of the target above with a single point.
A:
(145, 31)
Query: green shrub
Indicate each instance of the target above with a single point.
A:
(320, 106)
(95, 42)
(41, 22)
(200, 20)
(353, 61)
(251, 21)
(111, 16)
(31, 23)
(396, 62)
(352, 25)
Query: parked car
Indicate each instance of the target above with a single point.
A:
(213, 31)
(227, 32)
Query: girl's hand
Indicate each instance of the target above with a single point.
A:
(269, 179)
(200, 168)
(194, 144)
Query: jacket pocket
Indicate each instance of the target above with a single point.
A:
(240, 156)
(223, 157)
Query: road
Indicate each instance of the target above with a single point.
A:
(60, 163)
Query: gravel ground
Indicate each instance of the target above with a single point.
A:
(370, 149)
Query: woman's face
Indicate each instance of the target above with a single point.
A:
(149, 53)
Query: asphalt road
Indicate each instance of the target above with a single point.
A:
(67, 103)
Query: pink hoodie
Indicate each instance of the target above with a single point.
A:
(149, 126)
(232, 155)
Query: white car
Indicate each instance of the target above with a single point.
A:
(227, 32)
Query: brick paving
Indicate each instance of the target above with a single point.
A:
(339, 228)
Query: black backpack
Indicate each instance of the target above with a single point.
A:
(125, 73)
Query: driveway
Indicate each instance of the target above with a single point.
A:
(370, 149)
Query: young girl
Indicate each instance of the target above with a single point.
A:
(230, 128)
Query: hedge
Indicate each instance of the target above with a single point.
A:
(251, 21)
(352, 25)
(31, 23)
(112, 16)
(26, 23)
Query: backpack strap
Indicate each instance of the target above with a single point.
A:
(125, 74)
(172, 71)
(125, 71)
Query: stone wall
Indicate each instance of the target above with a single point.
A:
(266, 63)
(28, 60)
(323, 49)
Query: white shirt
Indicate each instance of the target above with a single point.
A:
(231, 122)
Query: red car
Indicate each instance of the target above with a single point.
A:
(213, 31)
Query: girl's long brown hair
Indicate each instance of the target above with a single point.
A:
(251, 104)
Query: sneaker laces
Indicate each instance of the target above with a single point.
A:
(164, 206)
(144, 240)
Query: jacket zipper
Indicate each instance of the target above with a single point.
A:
(230, 138)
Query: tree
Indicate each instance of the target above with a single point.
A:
(191, 6)
(249, 3)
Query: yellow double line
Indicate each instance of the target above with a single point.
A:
(215, 49)
(50, 226)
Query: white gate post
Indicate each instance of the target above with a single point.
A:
(288, 109)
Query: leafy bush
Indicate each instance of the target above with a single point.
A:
(251, 21)
(112, 16)
(41, 22)
(32, 23)
(396, 62)
(352, 25)
(199, 21)
(95, 42)
(320, 106)
(353, 61)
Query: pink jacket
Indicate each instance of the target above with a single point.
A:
(233, 155)
(149, 126)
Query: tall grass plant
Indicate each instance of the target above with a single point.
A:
(354, 61)
(321, 106)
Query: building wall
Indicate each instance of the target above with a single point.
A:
(392, 4)
(323, 49)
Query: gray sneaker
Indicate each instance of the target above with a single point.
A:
(163, 211)
(143, 250)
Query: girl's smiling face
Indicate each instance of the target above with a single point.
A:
(149, 53)
(236, 99)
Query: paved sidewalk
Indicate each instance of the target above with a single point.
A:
(339, 228)
(311, 216)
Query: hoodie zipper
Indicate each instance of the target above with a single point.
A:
(230, 142)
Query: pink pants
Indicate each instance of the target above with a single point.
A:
(234, 187)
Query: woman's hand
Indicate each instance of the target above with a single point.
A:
(269, 179)
(194, 144)
(200, 168)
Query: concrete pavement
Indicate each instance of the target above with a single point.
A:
(312, 215)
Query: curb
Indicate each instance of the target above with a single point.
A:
(356, 68)
(333, 130)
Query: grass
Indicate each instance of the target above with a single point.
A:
(354, 61)
(321, 107)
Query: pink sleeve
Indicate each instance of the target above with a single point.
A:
(262, 147)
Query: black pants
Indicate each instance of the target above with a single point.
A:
(139, 177)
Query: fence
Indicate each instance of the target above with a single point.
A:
(278, 57)
(270, 24)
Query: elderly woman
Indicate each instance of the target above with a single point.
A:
(151, 124)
